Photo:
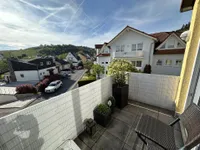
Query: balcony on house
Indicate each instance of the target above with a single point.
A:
(129, 54)
(49, 124)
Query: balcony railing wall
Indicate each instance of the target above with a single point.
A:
(48, 124)
(156, 90)
(129, 54)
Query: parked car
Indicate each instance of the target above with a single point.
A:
(53, 86)
(65, 74)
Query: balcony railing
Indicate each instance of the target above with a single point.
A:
(129, 54)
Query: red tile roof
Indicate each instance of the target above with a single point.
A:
(98, 46)
(103, 55)
(172, 51)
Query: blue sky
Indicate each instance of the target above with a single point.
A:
(27, 23)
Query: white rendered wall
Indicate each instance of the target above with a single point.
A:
(47, 125)
(156, 90)
(45, 72)
(29, 75)
(167, 70)
(129, 38)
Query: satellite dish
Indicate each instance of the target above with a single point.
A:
(185, 35)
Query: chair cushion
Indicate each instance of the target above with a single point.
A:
(156, 131)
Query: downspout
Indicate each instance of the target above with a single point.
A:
(151, 53)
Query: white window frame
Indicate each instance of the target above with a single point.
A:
(141, 48)
(178, 65)
(48, 63)
(117, 48)
(122, 48)
(137, 64)
(159, 64)
(169, 43)
(134, 47)
(167, 64)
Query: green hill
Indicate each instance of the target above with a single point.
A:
(45, 50)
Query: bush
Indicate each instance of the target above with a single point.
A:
(147, 69)
(45, 82)
(26, 88)
(103, 109)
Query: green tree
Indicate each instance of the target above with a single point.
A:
(88, 65)
(62, 56)
(118, 68)
(97, 70)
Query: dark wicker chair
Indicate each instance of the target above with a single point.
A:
(162, 134)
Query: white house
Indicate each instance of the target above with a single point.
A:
(73, 58)
(33, 70)
(141, 49)
(168, 54)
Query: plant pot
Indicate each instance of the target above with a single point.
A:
(121, 95)
(101, 119)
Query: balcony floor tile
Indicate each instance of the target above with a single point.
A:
(120, 133)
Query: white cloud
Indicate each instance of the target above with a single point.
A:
(25, 23)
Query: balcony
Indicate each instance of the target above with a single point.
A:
(49, 124)
(120, 134)
(129, 54)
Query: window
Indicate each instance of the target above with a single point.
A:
(106, 62)
(171, 43)
(168, 62)
(179, 44)
(139, 64)
(117, 48)
(163, 46)
(178, 62)
(134, 63)
(22, 75)
(139, 46)
(43, 72)
(40, 73)
(159, 62)
(133, 47)
(102, 62)
(41, 63)
(48, 63)
(122, 48)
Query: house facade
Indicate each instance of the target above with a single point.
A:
(33, 70)
(141, 49)
(168, 53)
(73, 58)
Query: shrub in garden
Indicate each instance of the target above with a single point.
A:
(26, 88)
(45, 82)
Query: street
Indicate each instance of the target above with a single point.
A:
(67, 83)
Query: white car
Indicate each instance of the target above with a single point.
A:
(53, 86)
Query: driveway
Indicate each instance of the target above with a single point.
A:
(67, 83)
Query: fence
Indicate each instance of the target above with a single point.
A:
(156, 90)
(48, 124)
(7, 90)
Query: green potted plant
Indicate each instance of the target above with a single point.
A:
(111, 103)
(118, 69)
(102, 114)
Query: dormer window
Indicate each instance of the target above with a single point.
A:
(48, 63)
(171, 43)
(163, 46)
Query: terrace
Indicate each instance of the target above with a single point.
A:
(120, 134)
(51, 123)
